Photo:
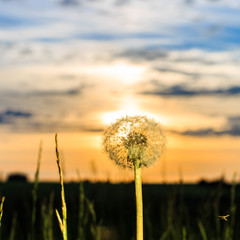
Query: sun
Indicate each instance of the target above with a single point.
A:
(126, 73)
(121, 72)
(110, 117)
(130, 106)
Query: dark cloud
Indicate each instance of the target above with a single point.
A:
(199, 132)
(105, 36)
(69, 2)
(69, 92)
(152, 53)
(53, 125)
(232, 131)
(143, 54)
(43, 123)
(189, 2)
(183, 91)
(121, 2)
(234, 120)
(170, 70)
(26, 51)
(232, 128)
(234, 123)
(10, 115)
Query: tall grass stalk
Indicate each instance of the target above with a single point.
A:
(95, 228)
(1, 210)
(82, 211)
(139, 200)
(13, 228)
(62, 222)
(80, 233)
(34, 192)
(47, 217)
(229, 230)
(202, 230)
(216, 209)
(184, 233)
(87, 218)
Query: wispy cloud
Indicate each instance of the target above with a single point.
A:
(52, 93)
(183, 91)
(9, 116)
(231, 128)
(234, 132)
(137, 55)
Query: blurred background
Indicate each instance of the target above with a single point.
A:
(75, 66)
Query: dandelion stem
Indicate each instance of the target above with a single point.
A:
(139, 201)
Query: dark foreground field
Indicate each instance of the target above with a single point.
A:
(107, 211)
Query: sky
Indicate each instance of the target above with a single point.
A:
(74, 66)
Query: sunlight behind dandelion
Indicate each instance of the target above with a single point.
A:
(131, 106)
(110, 117)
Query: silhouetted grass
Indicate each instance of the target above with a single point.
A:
(34, 194)
(170, 212)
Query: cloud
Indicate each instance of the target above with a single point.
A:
(69, 2)
(183, 91)
(168, 58)
(121, 2)
(118, 36)
(143, 54)
(55, 126)
(194, 75)
(9, 116)
(26, 121)
(233, 131)
(69, 92)
(67, 76)
(232, 128)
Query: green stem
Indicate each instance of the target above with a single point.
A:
(1, 209)
(63, 221)
(34, 192)
(139, 201)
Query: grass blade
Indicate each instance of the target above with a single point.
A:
(63, 221)
(1, 210)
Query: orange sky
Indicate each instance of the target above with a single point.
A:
(189, 157)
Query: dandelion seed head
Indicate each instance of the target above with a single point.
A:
(131, 138)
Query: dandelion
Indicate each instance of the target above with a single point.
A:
(135, 142)
(131, 138)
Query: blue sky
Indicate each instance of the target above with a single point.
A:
(73, 66)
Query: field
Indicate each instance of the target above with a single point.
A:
(107, 211)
